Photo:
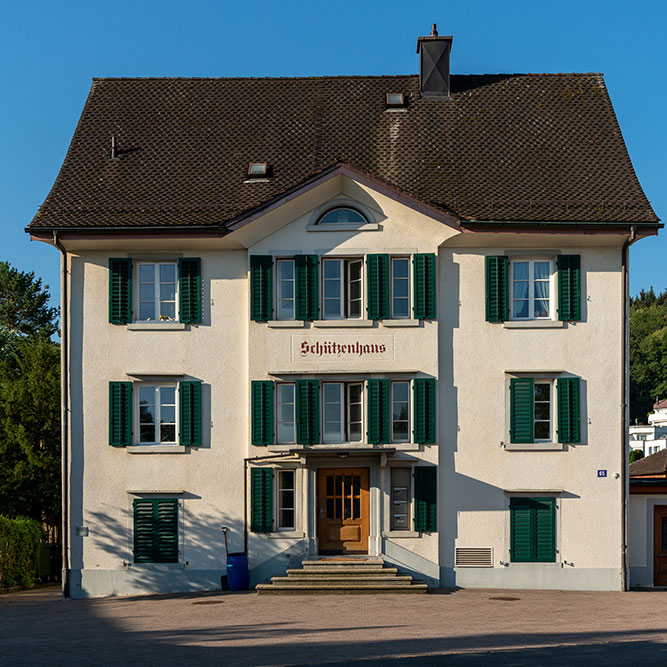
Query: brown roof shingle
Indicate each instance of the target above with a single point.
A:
(518, 147)
(650, 465)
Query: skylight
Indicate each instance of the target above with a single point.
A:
(258, 170)
(395, 100)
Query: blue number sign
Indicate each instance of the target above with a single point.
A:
(602, 473)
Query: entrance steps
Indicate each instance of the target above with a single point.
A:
(342, 575)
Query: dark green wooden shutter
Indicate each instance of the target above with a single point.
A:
(156, 530)
(426, 498)
(522, 410)
(569, 419)
(120, 291)
(532, 530)
(379, 305)
(189, 289)
(262, 412)
(379, 411)
(120, 414)
(306, 270)
(424, 410)
(261, 288)
(497, 289)
(190, 413)
(261, 500)
(569, 287)
(424, 286)
(307, 412)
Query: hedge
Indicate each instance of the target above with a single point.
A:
(19, 542)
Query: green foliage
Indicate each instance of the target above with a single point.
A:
(19, 541)
(636, 455)
(648, 352)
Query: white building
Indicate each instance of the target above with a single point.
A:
(651, 438)
(376, 315)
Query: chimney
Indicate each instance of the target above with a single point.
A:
(434, 65)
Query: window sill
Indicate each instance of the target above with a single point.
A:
(355, 447)
(533, 324)
(341, 227)
(401, 323)
(286, 535)
(156, 326)
(156, 449)
(285, 324)
(535, 447)
(400, 534)
(343, 324)
(158, 567)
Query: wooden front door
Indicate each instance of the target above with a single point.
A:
(660, 545)
(342, 510)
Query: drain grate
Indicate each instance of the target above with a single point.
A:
(209, 602)
(505, 599)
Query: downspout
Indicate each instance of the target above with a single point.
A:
(64, 416)
(625, 386)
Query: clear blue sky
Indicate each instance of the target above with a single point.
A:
(50, 51)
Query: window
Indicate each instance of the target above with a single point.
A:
(157, 414)
(155, 530)
(342, 292)
(400, 411)
(532, 289)
(157, 291)
(542, 412)
(401, 492)
(345, 216)
(285, 285)
(286, 504)
(532, 530)
(286, 414)
(342, 410)
(400, 288)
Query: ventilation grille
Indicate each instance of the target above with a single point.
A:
(473, 557)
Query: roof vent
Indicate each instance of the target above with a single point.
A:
(257, 170)
(114, 146)
(395, 101)
(434, 65)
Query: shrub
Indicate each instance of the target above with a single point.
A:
(19, 542)
(635, 455)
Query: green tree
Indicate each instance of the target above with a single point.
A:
(636, 455)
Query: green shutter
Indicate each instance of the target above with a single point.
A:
(189, 289)
(156, 530)
(522, 410)
(569, 287)
(426, 499)
(120, 291)
(262, 412)
(379, 411)
(497, 289)
(532, 530)
(306, 272)
(261, 500)
(261, 288)
(379, 306)
(307, 412)
(190, 413)
(424, 286)
(424, 410)
(569, 418)
(120, 414)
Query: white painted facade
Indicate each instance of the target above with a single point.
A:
(472, 360)
(652, 437)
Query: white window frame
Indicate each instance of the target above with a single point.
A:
(391, 408)
(344, 280)
(343, 436)
(278, 412)
(156, 291)
(137, 412)
(552, 400)
(409, 280)
(410, 500)
(279, 314)
(279, 472)
(531, 288)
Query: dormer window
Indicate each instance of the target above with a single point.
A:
(395, 100)
(258, 170)
(342, 216)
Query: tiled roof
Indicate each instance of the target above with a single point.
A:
(650, 465)
(516, 147)
(659, 405)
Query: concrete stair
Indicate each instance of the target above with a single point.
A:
(341, 575)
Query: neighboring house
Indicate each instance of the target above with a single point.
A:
(378, 315)
(648, 521)
(651, 438)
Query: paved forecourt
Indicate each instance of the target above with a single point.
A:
(443, 627)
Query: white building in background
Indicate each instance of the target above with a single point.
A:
(651, 438)
(375, 315)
